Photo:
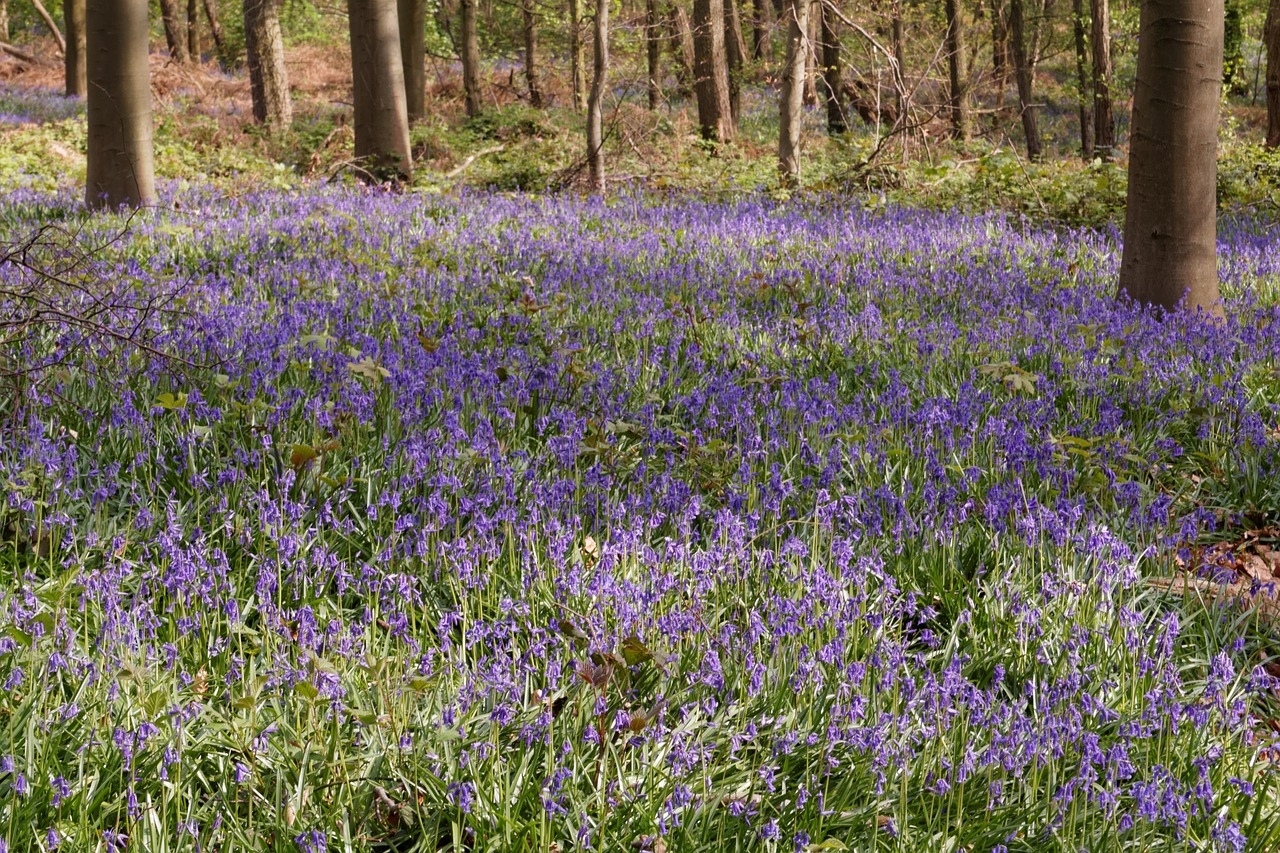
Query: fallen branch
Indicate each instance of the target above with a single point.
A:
(494, 149)
(53, 28)
(17, 53)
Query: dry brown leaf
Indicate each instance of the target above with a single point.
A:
(1265, 601)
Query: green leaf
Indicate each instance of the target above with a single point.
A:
(171, 402)
(306, 690)
(634, 651)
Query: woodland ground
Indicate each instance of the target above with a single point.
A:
(456, 519)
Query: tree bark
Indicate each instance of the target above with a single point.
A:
(4, 20)
(682, 48)
(791, 101)
(759, 29)
(999, 47)
(811, 56)
(899, 54)
(576, 61)
(193, 30)
(174, 36)
(735, 54)
(413, 54)
(268, 77)
(1022, 70)
(381, 117)
(1104, 121)
(958, 68)
(121, 171)
(711, 82)
(1233, 74)
(830, 76)
(653, 51)
(1170, 226)
(470, 49)
(1082, 79)
(77, 70)
(1272, 38)
(215, 30)
(531, 53)
(595, 101)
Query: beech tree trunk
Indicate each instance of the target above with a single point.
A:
(653, 51)
(759, 29)
(381, 117)
(193, 30)
(682, 48)
(1104, 120)
(735, 54)
(268, 77)
(1170, 226)
(413, 54)
(999, 47)
(1082, 79)
(215, 30)
(1272, 38)
(711, 83)
(77, 70)
(791, 100)
(470, 49)
(830, 76)
(1022, 70)
(811, 55)
(530, 24)
(958, 68)
(121, 171)
(577, 64)
(174, 34)
(595, 101)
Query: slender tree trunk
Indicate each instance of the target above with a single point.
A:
(682, 48)
(899, 53)
(215, 30)
(653, 51)
(174, 36)
(829, 79)
(413, 54)
(796, 16)
(811, 56)
(268, 77)
(711, 83)
(958, 68)
(1170, 226)
(470, 48)
(1104, 121)
(1082, 79)
(577, 63)
(1272, 38)
(77, 69)
(193, 30)
(381, 117)
(121, 171)
(735, 54)
(1022, 70)
(530, 24)
(1233, 74)
(759, 29)
(595, 101)
(4, 20)
(999, 47)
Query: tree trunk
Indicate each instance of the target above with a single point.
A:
(653, 51)
(1170, 225)
(811, 57)
(595, 101)
(413, 54)
(1082, 79)
(577, 64)
(682, 48)
(268, 77)
(381, 117)
(1022, 70)
(1104, 121)
(759, 29)
(215, 30)
(735, 54)
(711, 83)
(1233, 72)
(531, 53)
(829, 80)
(900, 54)
(193, 30)
(52, 25)
(1272, 38)
(791, 101)
(121, 171)
(174, 36)
(77, 71)
(999, 47)
(470, 48)
(957, 66)
(4, 20)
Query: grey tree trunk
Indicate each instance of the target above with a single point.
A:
(735, 54)
(1170, 226)
(1104, 120)
(268, 77)
(576, 62)
(595, 101)
(958, 68)
(470, 49)
(77, 70)
(1022, 70)
(711, 82)
(121, 171)
(530, 24)
(381, 117)
(759, 29)
(682, 48)
(175, 35)
(193, 30)
(413, 54)
(215, 30)
(653, 51)
(1272, 38)
(791, 101)
(1082, 79)
(830, 77)
(999, 48)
